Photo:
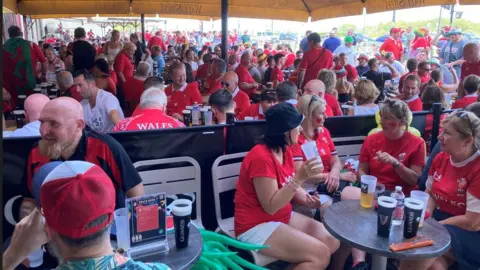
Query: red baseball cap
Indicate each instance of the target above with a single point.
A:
(75, 193)
(396, 30)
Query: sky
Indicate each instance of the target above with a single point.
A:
(469, 12)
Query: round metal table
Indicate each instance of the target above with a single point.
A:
(357, 226)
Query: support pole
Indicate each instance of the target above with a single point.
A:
(224, 29)
(439, 20)
(437, 112)
(452, 10)
(142, 22)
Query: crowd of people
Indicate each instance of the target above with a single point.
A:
(129, 86)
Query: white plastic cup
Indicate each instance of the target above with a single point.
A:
(36, 258)
(208, 118)
(248, 118)
(422, 196)
(310, 151)
(122, 228)
(371, 181)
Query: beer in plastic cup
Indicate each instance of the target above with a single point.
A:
(19, 117)
(386, 206)
(187, 117)
(208, 115)
(181, 211)
(123, 231)
(422, 196)
(413, 214)
(368, 183)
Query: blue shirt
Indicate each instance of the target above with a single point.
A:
(304, 44)
(160, 63)
(332, 43)
(109, 263)
(31, 129)
(451, 52)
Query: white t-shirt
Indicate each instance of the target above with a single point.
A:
(350, 52)
(397, 66)
(97, 117)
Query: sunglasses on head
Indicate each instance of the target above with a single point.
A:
(313, 99)
(464, 115)
(225, 84)
(393, 103)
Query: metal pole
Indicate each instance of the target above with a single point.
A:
(142, 22)
(393, 18)
(437, 111)
(224, 45)
(452, 10)
(439, 20)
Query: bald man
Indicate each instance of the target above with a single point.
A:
(33, 106)
(471, 66)
(64, 137)
(241, 99)
(317, 87)
(67, 86)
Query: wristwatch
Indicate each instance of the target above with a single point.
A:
(397, 164)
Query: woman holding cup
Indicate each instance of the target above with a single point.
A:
(313, 130)
(267, 184)
(454, 187)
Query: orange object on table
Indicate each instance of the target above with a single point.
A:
(416, 242)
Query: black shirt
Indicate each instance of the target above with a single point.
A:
(102, 150)
(378, 78)
(141, 49)
(83, 55)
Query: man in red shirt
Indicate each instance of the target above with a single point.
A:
(20, 59)
(471, 66)
(352, 74)
(471, 85)
(214, 81)
(277, 75)
(133, 87)
(123, 63)
(314, 60)
(241, 99)
(411, 89)
(393, 43)
(181, 94)
(151, 114)
(317, 87)
(245, 79)
(67, 87)
(257, 111)
(156, 40)
(424, 69)
(412, 65)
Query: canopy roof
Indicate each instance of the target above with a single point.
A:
(294, 10)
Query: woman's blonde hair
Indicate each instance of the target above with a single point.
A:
(306, 105)
(467, 124)
(328, 78)
(366, 92)
(393, 108)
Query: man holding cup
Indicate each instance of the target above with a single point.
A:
(78, 201)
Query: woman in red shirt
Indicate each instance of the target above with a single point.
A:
(394, 155)
(266, 185)
(454, 187)
(103, 80)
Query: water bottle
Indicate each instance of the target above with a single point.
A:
(155, 69)
(196, 115)
(397, 217)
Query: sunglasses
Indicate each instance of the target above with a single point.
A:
(313, 99)
(225, 84)
(393, 103)
(464, 115)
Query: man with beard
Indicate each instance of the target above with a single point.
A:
(64, 137)
(78, 202)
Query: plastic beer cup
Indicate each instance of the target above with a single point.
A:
(368, 183)
(424, 197)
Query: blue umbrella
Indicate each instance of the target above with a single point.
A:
(384, 37)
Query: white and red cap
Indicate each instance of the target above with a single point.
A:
(72, 195)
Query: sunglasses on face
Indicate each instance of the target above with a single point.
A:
(225, 84)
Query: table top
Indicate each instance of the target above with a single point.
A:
(349, 222)
(178, 259)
